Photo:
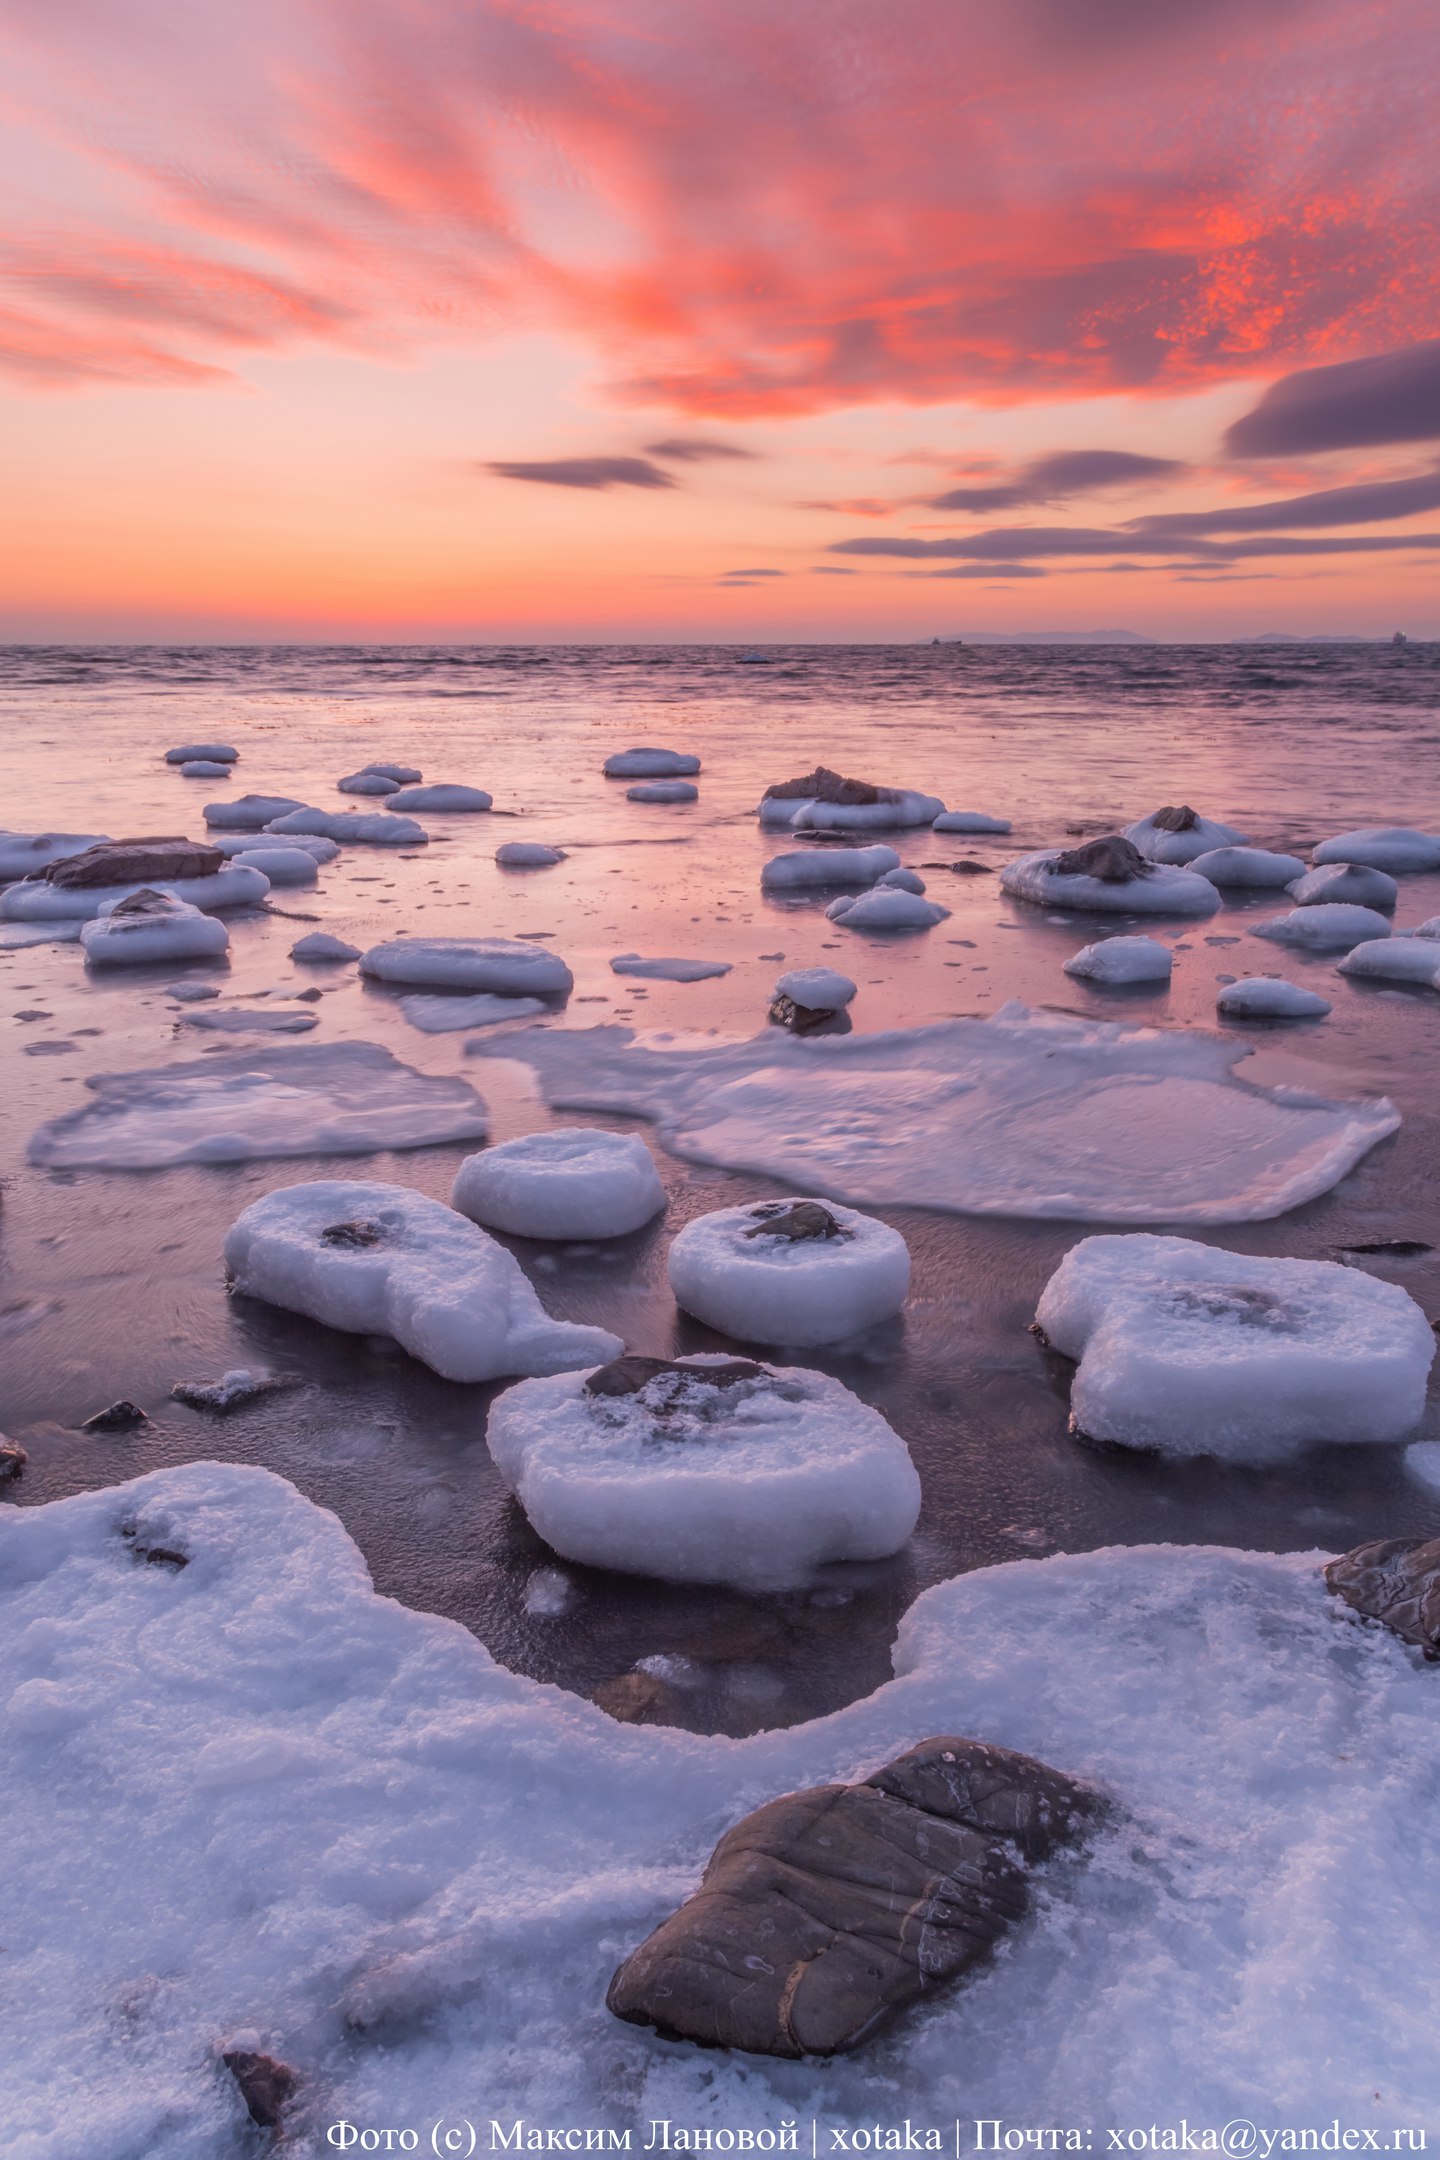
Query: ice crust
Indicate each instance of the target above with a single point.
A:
(1266, 997)
(772, 1289)
(666, 970)
(372, 828)
(282, 865)
(1396, 848)
(506, 965)
(971, 821)
(886, 908)
(449, 1015)
(902, 880)
(1330, 926)
(646, 763)
(574, 1181)
(443, 795)
(822, 989)
(1031, 1114)
(1166, 891)
(315, 845)
(755, 1484)
(204, 769)
(1395, 959)
(1246, 866)
(23, 853)
(1159, 845)
(1190, 1350)
(233, 887)
(214, 753)
(821, 866)
(255, 1019)
(447, 1293)
(347, 1098)
(367, 783)
(528, 855)
(248, 813)
(323, 947)
(402, 775)
(1122, 960)
(663, 791)
(1356, 883)
(169, 929)
(908, 807)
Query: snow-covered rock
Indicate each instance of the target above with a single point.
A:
(37, 901)
(1165, 890)
(402, 775)
(1396, 848)
(249, 813)
(528, 855)
(1430, 929)
(1177, 834)
(442, 795)
(898, 806)
(820, 989)
(231, 1391)
(148, 926)
(204, 769)
(22, 854)
(755, 1477)
(644, 763)
(1395, 959)
(572, 1182)
(453, 1014)
(282, 865)
(665, 970)
(315, 845)
(375, 1259)
(320, 946)
(1194, 1351)
(374, 828)
(1354, 884)
(1422, 1462)
(1327, 927)
(663, 791)
(971, 821)
(349, 1098)
(789, 1271)
(191, 993)
(255, 1019)
(213, 753)
(510, 966)
(1247, 866)
(1122, 960)
(1266, 997)
(820, 866)
(367, 783)
(903, 880)
(886, 908)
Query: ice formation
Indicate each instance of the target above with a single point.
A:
(443, 795)
(23, 853)
(451, 1015)
(1395, 959)
(348, 1098)
(528, 855)
(1122, 960)
(1179, 834)
(663, 791)
(204, 769)
(886, 908)
(367, 783)
(821, 866)
(402, 775)
(663, 970)
(897, 806)
(754, 1477)
(1430, 929)
(322, 946)
(37, 901)
(1166, 890)
(1328, 927)
(1355, 883)
(1246, 866)
(248, 813)
(282, 865)
(574, 1181)
(255, 1019)
(315, 845)
(903, 880)
(1033, 1114)
(971, 821)
(1266, 997)
(213, 753)
(373, 828)
(789, 1271)
(1189, 1350)
(146, 926)
(822, 989)
(650, 764)
(506, 965)
(1396, 848)
(384, 1260)
(1422, 1461)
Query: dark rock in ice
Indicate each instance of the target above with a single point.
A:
(807, 1219)
(628, 1375)
(1113, 859)
(124, 862)
(232, 1391)
(352, 1236)
(1398, 1248)
(822, 785)
(786, 1012)
(265, 2085)
(825, 1910)
(1396, 1581)
(117, 1417)
(145, 902)
(965, 867)
(1176, 817)
(13, 1459)
(162, 1556)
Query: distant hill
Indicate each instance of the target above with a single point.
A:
(1049, 637)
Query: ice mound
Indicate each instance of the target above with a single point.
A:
(1422, 1461)
(145, 926)
(886, 908)
(442, 796)
(507, 965)
(1395, 959)
(282, 865)
(367, 783)
(710, 1470)
(663, 791)
(248, 813)
(1396, 848)
(971, 821)
(896, 806)
(1328, 927)
(321, 946)
(1177, 834)
(663, 970)
(383, 1260)
(255, 1019)
(649, 764)
(375, 828)
(528, 855)
(572, 1182)
(789, 1271)
(35, 901)
(1193, 1351)
(1266, 997)
(349, 1098)
(1032, 1114)
(1165, 890)
(449, 1015)
(903, 880)
(213, 753)
(204, 769)
(402, 775)
(315, 845)
(1250, 866)
(821, 989)
(1353, 883)
(822, 866)
(1122, 960)
(21, 854)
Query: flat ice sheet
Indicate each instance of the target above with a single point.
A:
(450, 1015)
(1025, 1114)
(302, 1099)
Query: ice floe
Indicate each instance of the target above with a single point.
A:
(374, 1259)
(315, 845)
(1247, 866)
(1395, 959)
(450, 1015)
(213, 753)
(886, 908)
(663, 791)
(507, 965)
(443, 795)
(374, 828)
(319, 946)
(147, 926)
(528, 855)
(1033, 1114)
(249, 813)
(1356, 884)
(971, 821)
(663, 970)
(1189, 1350)
(574, 1181)
(191, 993)
(1164, 889)
(38, 901)
(1422, 1461)
(1328, 927)
(255, 1019)
(204, 769)
(903, 880)
(822, 989)
(789, 1271)
(282, 865)
(1122, 960)
(644, 763)
(896, 806)
(402, 775)
(348, 1098)
(821, 866)
(1266, 997)
(21, 854)
(1177, 834)
(367, 783)
(713, 1470)
(1396, 848)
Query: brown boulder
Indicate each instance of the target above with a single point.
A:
(822, 785)
(1176, 817)
(806, 1219)
(127, 862)
(1396, 1581)
(825, 1910)
(627, 1375)
(1114, 859)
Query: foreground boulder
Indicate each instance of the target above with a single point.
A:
(822, 785)
(1396, 1581)
(825, 1910)
(130, 862)
(1114, 859)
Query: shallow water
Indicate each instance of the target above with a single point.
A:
(111, 1282)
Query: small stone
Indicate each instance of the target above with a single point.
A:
(265, 2084)
(13, 1459)
(807, 1219)
(1113, 859)
(352, 1236)
(1176, 817)
(1397, 1582)
(635, 1698)
(117, 1417)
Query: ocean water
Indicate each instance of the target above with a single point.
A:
(111, 1283)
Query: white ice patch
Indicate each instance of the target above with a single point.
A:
(367, 783)
(886, 908)
(1122, 960)
(443, 795)
(528, 855)
(971, 821)
(254, 1020)
(1396, 848)
(1032, 1114)
(402, 775)
(383, 1260)
(204, 769)
(320, 946)
(822, 989)
(1246, 866)
(903, 880)
(374, 828)
(449, 1015)
(1328, 927)
(248, 813)
(507, 965)
(572, 1182)
(214, 753)
(755, 1484)
(348, 1098)
(21, 854)
(1165, 891)
(1395, 959)
(1194, 1351)
(1266, 997)
(730, 1272)
(663, 791)
(234, 886)
(903, 806)
(1158, 844)
(1422, 1460)
(820, 866)
(646, 763)
(315, 845)
(282, 865)
(663, 970)
(1354, 883)
(147, 926)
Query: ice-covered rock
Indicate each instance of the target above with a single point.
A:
(1247, 866)
(349, 1098)
(1154, 889)
(789, 1271)
(1331, 926)
(886, 908)
(971, 821)
(402, 775)
(453, 1014)
(1356, 884)
(1034, 1114)
(255, 1019)
(191, 993)
(22, 854)
(1430, 929)
(249, 813)
(1189, 1350)
(1396, 848)
(320, 946)
(204, 769)
(510, 966)
(151, 861)
(315, 845)
(528, 855)
(147, 926)
(572, 1182)
(441, 796)
(903, 880)
(896, 807)
(705, 1469)
(822, 989)
(1395, 959)
(1177, 834)
(367, 783)
(663, 791)
(374, 828)
(644, 763)
(1395, 1581)
(231, 1391)
(821, 866)
(212, 753)
(1122, 960)
(1266, 997)
(664, 970)
(282, 865)
(37, 901)
(375, 1259)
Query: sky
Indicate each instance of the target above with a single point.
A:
(742, 320)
